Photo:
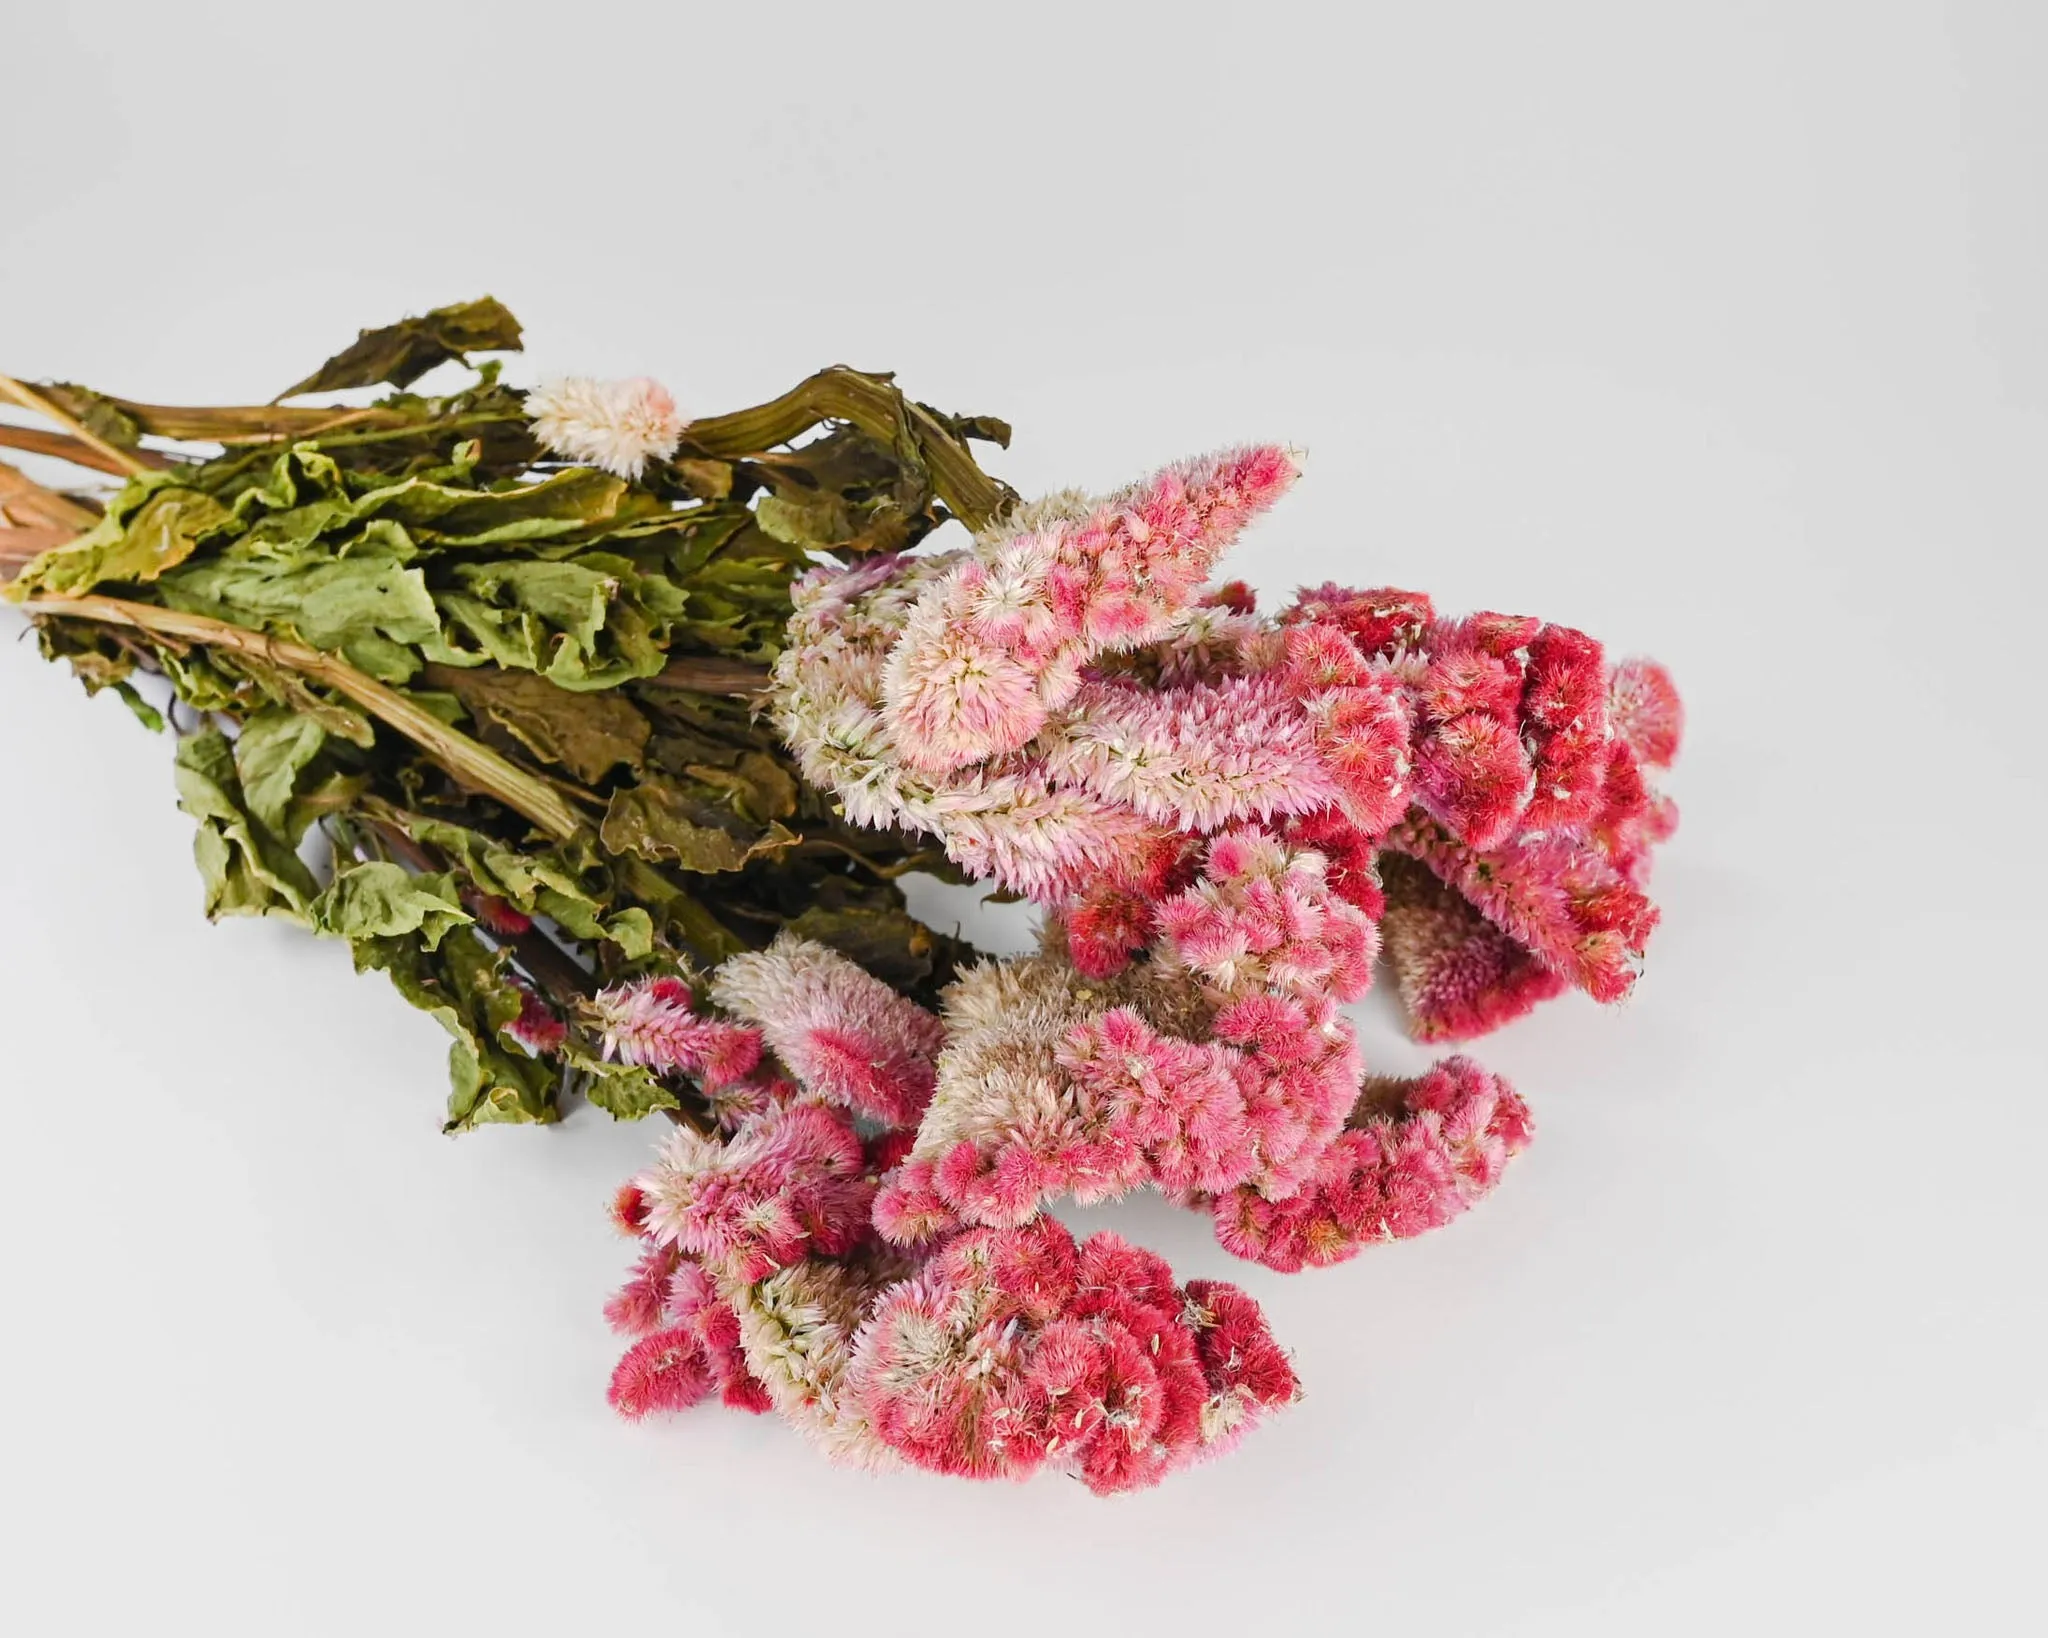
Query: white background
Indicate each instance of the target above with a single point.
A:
(1719, 330)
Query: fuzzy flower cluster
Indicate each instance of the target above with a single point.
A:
(1226, 819)
(1069, 710)
(989, 1353)
(617, 425)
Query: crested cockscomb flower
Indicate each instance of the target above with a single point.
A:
(844, 1034)
(1418, 1152)
(650, 1021)
(1016, 1349)
(616, 425)
(1458, 974)
(987, 654)
(791, 1181)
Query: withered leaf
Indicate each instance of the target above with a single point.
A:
(589, 734)
(403, 352)
(660, 820)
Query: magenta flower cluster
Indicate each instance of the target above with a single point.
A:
(1226, 819)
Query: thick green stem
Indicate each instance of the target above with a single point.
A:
(880, 410)
(471, 764)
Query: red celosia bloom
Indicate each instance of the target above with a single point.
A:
(667, 1371)
(538, 1027)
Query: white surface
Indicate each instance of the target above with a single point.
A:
(1717, 330)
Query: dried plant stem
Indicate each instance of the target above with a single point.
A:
(473, 765)
(871, 403)
(29, 399)
(77, 451)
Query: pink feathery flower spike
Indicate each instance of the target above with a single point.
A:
(650, 1021)
(1016, 1349)
(1000, 644)
(843, 1033)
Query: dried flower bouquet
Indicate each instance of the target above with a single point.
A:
(620, 728)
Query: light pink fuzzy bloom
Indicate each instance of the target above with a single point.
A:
(1196, 758)
(650, 1021)
(844, 1034)
(1424, 1151)
(1263, 915)
(792, 1182)
(1015, 1349)
(618, 426)
(1000, 644)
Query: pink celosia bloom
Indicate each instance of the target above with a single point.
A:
(1555, 894)
(1382, 622)
(1458, 974)
(616, 425)
(790, 1182)
(1196, 758)
(1419, 1154)
(628, 1211)
(986, 656)
(844, 1034)
(666, 1371)
(1263, 915)
(537, 1028)
(1015, 1349)
(641, 1304)
(649, 1021)
(1643, 703)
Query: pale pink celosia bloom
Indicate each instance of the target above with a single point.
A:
(790, 1182)
(996, 647)
(616, 425)
(650, 1021)
(843, 1033)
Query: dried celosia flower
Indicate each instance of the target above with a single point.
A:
(1000, 642)
(651, 1021)
(843, 1033)
(1015, 1349)
(1417, 1154)
(616, 425)
(791, 1181)
(1215, 811)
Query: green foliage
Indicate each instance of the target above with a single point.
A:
(401, 353)
(572, 625)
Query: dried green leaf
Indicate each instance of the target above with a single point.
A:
(587, 733)
(403, 352)
(659, 819)
(247, 870)
(161, 525)
(380, 900)
(470, 992)
(271, 753)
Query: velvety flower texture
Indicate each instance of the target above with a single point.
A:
(1015, 1349)
(1225, 819)
(616, 425)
